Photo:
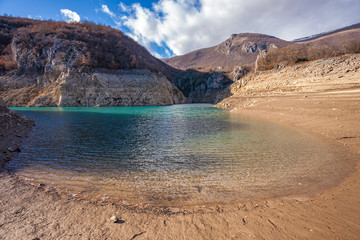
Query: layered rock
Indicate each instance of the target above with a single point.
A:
(201, 87)
(53, 69)
(325, 75)
(93, 88)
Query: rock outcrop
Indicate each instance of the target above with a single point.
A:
(59, 64)
(201, 87)
(89, 88)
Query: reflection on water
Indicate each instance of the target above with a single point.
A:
(174, 155)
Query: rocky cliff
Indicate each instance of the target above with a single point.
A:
(98, 87)
(60, 64)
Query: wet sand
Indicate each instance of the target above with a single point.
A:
(29, 212)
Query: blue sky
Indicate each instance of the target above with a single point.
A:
(174, 27)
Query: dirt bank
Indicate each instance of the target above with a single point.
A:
(13, 129)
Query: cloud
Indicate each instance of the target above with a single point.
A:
(123, 7)
(186, 25)
(35, 18)
(105, 9)
(70, 15)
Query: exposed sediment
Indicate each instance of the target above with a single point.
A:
(90, 88)
(13, 129)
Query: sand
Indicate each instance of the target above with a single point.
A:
(30, 212)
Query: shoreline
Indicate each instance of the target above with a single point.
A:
(333, 213)
(305, 189)
(343, 134)
(13, 129)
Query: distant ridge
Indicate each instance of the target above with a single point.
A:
(242, 49)
(313, 37)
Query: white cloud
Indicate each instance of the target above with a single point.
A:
(35, 18)
(186, 25)
(123, 7)
(70, 15)
(105, 9)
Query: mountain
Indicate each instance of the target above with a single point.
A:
(45, 63)
(243, 49)
(240, 49)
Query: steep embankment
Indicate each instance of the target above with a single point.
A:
(61, 64)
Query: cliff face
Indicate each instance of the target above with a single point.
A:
(59, 64)
(203, 87)
(89, 88)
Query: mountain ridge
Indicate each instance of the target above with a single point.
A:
(226, 54)
(245, 56)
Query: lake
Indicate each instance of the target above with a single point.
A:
(180, 155)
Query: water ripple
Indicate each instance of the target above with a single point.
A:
(175, 155)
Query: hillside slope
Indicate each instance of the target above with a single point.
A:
(320, 35)
(78, 64)
(333, 45)
(324, 75)
(45, 63)
(240, 49)
(243, 49)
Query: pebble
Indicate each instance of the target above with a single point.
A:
(244, 220)
(13, 149)
(114, 219)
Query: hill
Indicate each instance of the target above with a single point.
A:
(243, 50)
(46, 63)
(240, 49)
(95, 46)
(341, 42)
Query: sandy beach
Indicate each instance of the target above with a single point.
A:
(37, 212)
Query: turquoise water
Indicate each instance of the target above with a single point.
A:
(174, 155)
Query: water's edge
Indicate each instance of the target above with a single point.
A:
(198, 189)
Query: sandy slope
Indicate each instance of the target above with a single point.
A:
(29, 212)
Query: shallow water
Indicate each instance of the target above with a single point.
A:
(182, 155)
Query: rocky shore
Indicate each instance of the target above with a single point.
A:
(13, 129)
